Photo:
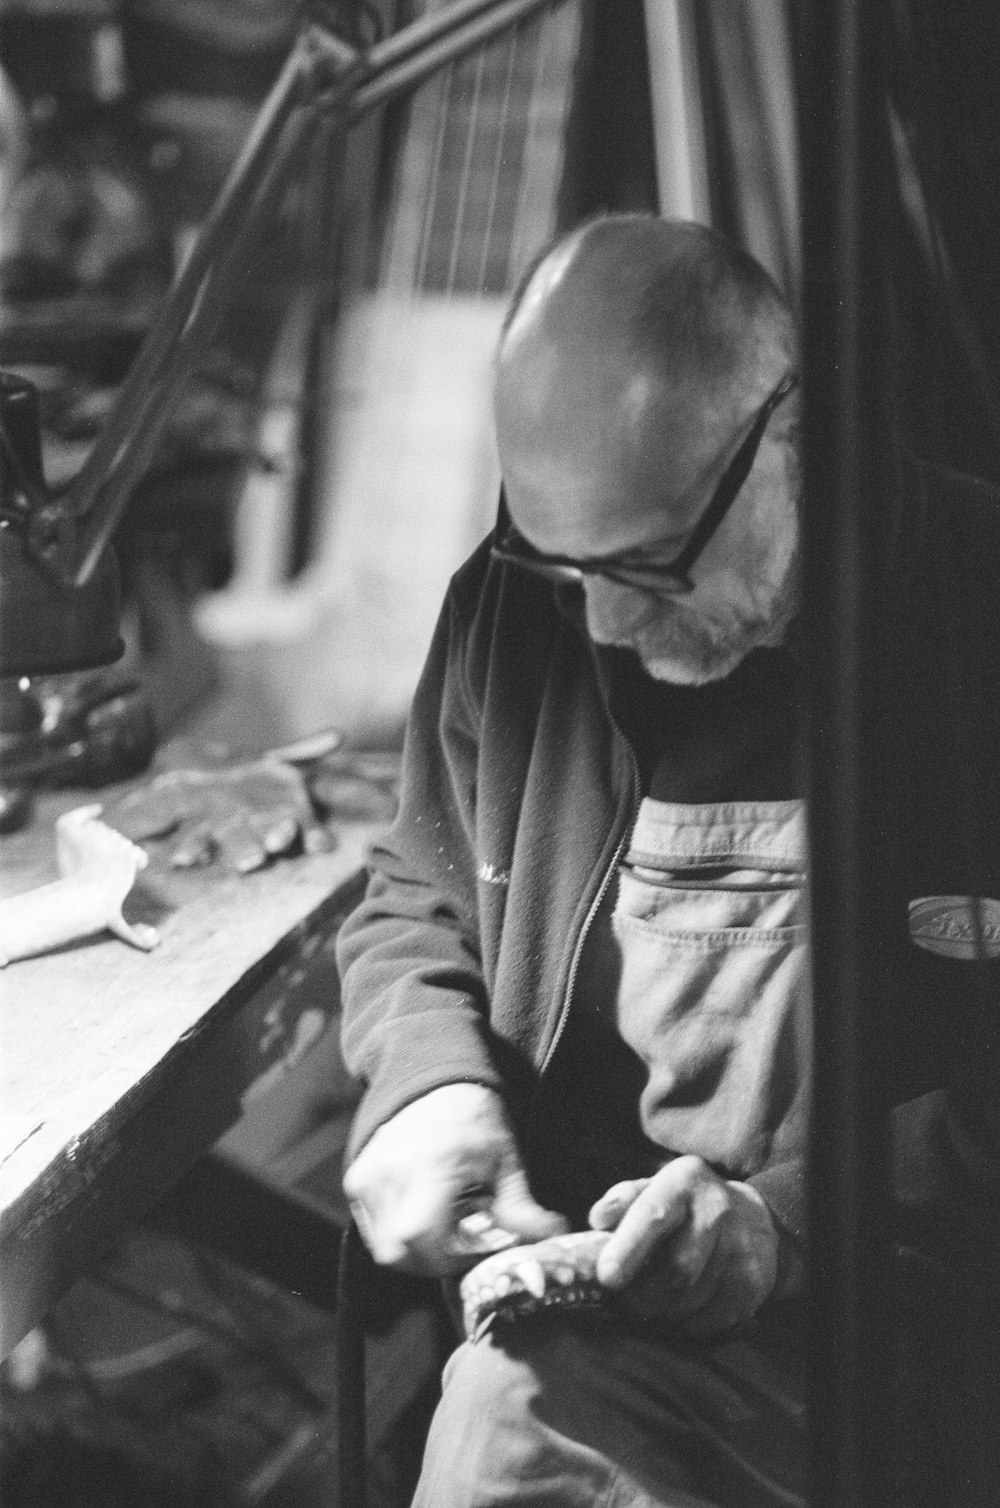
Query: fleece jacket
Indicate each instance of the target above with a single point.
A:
(519, 790)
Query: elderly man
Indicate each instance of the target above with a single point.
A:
(575, 990)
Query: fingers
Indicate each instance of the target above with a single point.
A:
(415, 1236)
(254, 837)
(610, 1208)
(685, 1283)
(244, 840)
(515, 1210)
(156, 808)
(197, 846)
(433, 1231)
(391, 1221)
(478, 1235)
(236, 838)
(690, 1246)
(441, 1184)
(318, 839)
(440, 1228)
(656, 1213)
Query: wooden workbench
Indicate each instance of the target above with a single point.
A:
(118, 1068)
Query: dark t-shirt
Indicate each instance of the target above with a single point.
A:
(737, 739)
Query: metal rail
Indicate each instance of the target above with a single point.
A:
(848, 484)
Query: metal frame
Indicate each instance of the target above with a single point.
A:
(855, 914)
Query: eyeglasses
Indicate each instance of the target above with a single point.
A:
(669, 578)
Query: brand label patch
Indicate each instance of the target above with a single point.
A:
(957, 926)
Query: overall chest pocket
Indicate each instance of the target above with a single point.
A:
(712, 990)
(734, 908)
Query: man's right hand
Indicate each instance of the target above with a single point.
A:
(448, 1154)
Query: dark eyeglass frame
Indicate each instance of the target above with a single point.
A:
(671, 579)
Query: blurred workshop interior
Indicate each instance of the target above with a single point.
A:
(327, 466)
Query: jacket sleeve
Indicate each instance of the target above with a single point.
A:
(415, 1008)
(783, 1188)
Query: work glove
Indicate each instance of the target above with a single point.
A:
(241, 813)
(356, 785)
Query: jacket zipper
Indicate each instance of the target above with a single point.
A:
(594, 905)
(578, 952)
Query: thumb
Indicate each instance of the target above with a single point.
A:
(516, 1210)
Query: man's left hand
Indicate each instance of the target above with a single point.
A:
(690, 1246)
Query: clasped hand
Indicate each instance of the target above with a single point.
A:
(697, 1249)
(447, 1155)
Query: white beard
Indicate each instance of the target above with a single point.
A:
(686, 647)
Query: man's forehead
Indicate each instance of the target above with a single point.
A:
(615, 415)
(587, 501)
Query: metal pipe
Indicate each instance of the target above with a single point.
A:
(855, 915)
(375, 91)
(424, 31)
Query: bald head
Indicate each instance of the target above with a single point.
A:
(633, 353)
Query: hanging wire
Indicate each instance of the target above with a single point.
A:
(503, 114)
(463, 183)
(531, 127)
(430, 206)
